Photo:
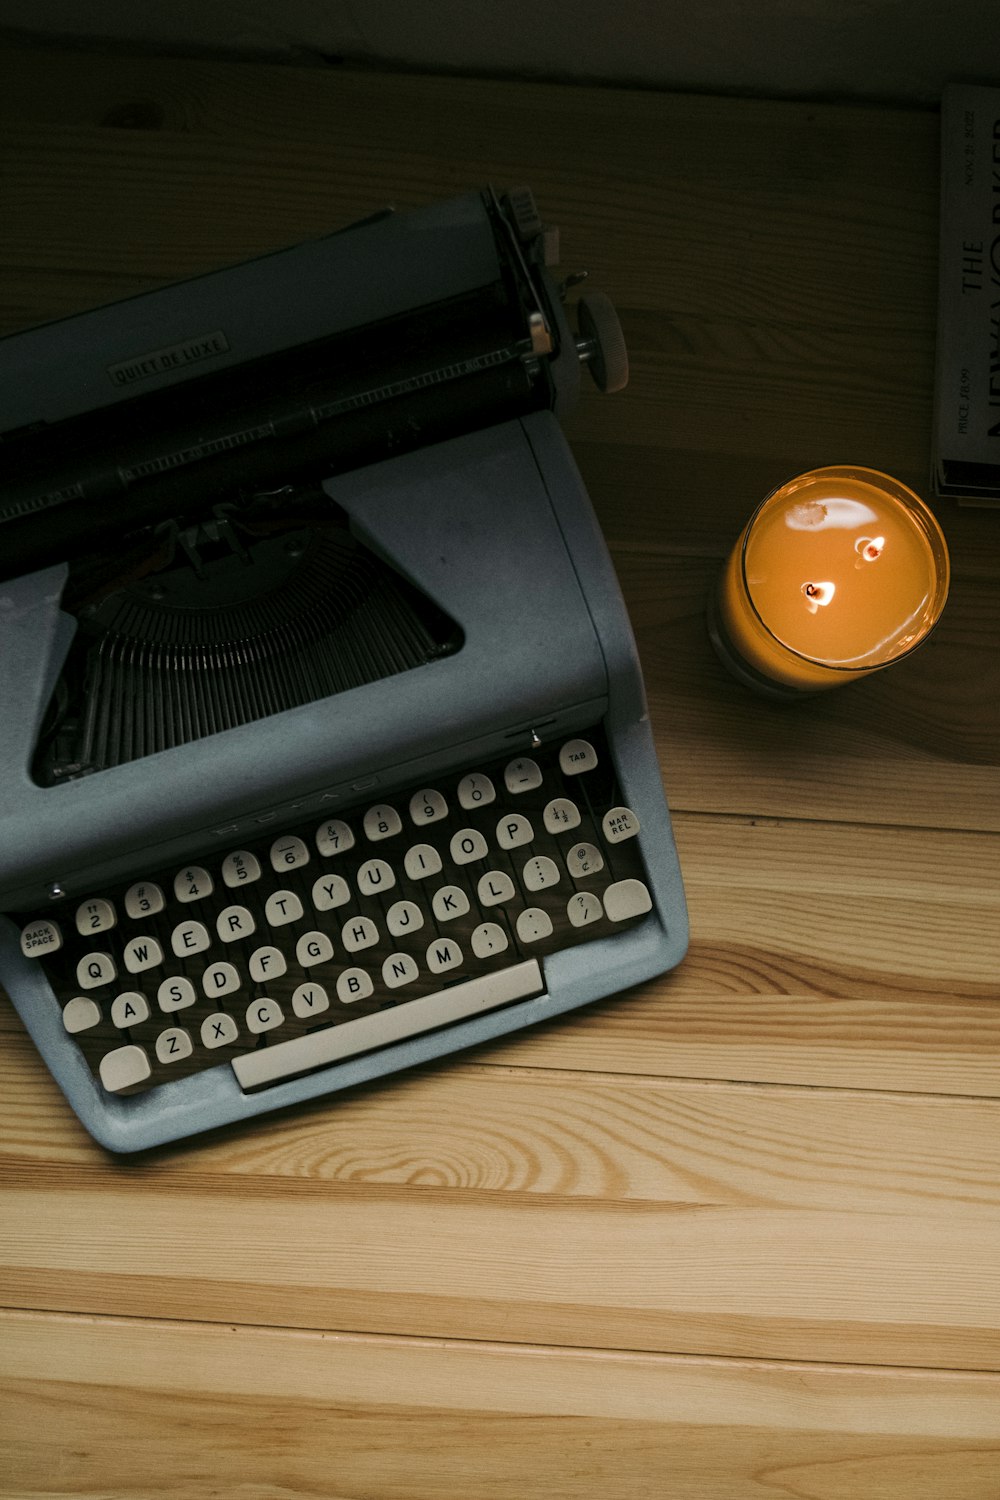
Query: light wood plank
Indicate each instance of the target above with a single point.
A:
(174, 1409)
(478, 1128)
(863, 957)
(476, 1202)
(876, 905)
(731, 1030)
(712, 1287)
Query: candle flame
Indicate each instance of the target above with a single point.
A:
(817, 594)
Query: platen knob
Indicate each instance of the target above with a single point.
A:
(601, 343)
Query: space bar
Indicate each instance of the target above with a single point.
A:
(317, 1048)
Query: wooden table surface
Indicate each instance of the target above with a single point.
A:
(736, 1234)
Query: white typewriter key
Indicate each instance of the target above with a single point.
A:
(449, 902)
(288, 854)
(619, 824)
(220, 979)
(399, 969)
(141, 953)
(421, 861)
(522, 775)
(584, 859)
(95, 969)
(219, 1030)
(310, 1000)
(190, 937)
(173, 1045)
(513, 831)
(627, 898)
(334, 837)
(381, 822)
(427, 806)
(489, 938)
(560, 815)
(192, 884)
(129, 1009)
(375, 876)
(330, 891)
(143, 900)
(539, 873)
(533, 925)
(358, 933)
(467, 845)
(577, 756)
(80, 1014)
(95, 916)
(494, 888)
(354, 984)
(175, 994)
(124, 1068)
(313, 948)
(240, 868)
(404, 916)
(282, 907)
(235, 922)
(443, 955)
(584, 908)
(40, 938)
(263, 1015)
(476, 791)
(267, 963)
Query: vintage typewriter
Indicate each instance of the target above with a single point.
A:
(323, 738)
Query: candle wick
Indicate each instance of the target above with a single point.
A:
(869, 548)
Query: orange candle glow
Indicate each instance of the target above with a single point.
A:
(837, 573)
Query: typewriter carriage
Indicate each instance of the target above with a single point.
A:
(212, 580)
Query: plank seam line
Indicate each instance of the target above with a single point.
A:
(791, 820)
(610, 1352)
(610, 1079)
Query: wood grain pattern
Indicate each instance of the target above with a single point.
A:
(482, 1128)
(734, 1235)
(487, 1203)
(716, 1280)
(277, 1412)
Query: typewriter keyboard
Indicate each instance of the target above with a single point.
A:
(332, 938)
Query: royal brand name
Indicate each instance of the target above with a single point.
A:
(161, 361)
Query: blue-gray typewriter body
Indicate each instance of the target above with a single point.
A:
(299, 572)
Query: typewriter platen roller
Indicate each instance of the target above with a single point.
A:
(288, 537)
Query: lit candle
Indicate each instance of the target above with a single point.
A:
(837, 573)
